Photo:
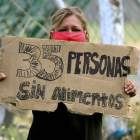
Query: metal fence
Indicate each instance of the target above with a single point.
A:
(32, 18)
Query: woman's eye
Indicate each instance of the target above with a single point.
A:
(62, 30)
(76, 30)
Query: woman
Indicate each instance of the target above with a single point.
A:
(68, 24)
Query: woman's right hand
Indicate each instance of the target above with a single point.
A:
(2, 76)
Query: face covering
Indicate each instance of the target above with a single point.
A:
(70, 36)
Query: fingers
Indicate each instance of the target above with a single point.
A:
(133, 92)
(2, 76)
(128, 83)
(130, 89)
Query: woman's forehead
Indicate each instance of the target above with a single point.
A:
(71, 20)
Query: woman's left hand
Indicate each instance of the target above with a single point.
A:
(130, 88)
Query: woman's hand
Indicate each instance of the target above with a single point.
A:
(2, 76)
(130, 88)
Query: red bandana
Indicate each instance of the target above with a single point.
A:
(70, 36)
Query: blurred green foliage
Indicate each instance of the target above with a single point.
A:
(33, 19)
(29, 18)
(134, 123)
(13, 133)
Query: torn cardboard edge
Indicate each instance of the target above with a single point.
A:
(70, 107)
(19, 45)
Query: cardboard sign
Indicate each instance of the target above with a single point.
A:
(86, 77)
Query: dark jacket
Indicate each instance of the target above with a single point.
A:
(63, 125)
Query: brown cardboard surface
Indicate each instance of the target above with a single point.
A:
(86, 77)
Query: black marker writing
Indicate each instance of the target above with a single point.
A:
(35, 68)
(35, 65)
(36, 91)
(63, 94)
(112, 66)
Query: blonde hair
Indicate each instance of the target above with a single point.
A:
(58, 17)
